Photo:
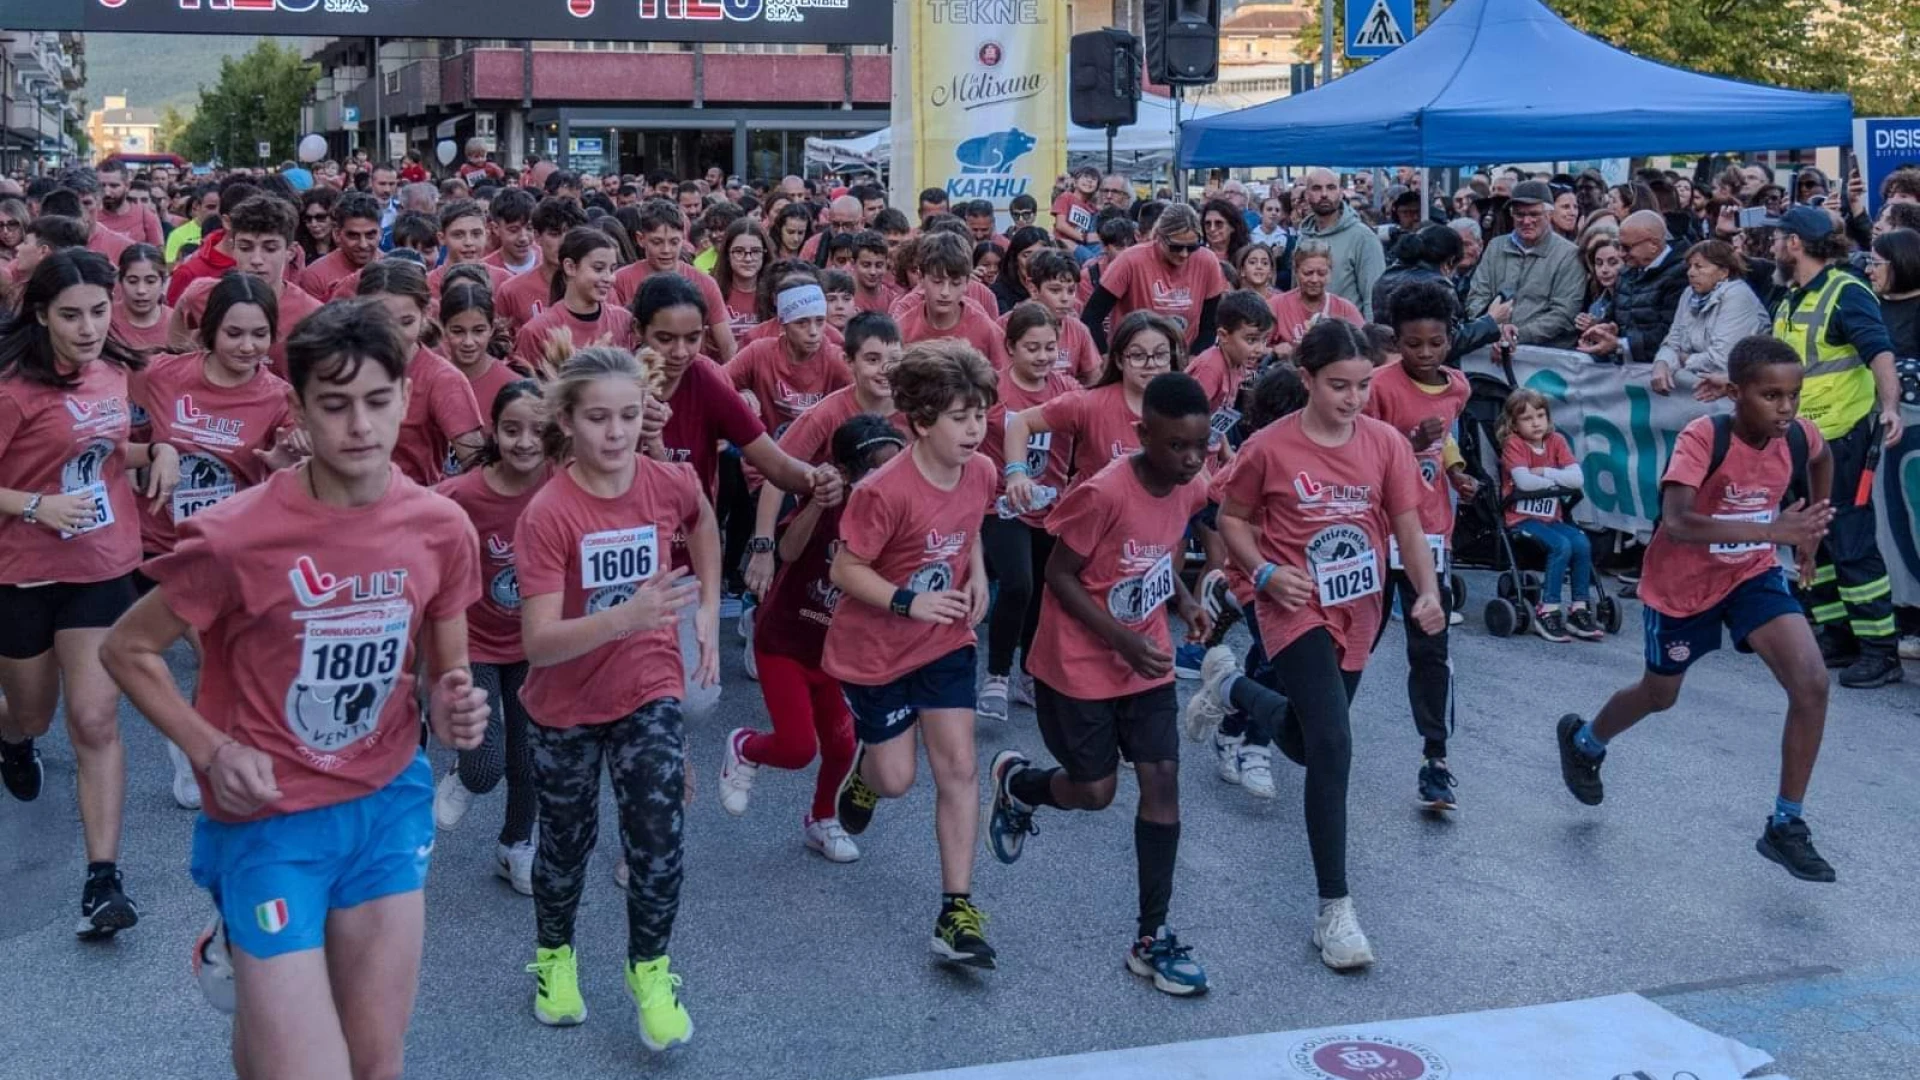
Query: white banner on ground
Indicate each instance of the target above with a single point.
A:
(1623, 1037)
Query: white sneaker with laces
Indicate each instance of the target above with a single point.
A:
(992, 702)
(186, 789)
(514, 864)
(831, 841)
(1256, 770)
(1336, 933)
(451, 800)
(1208, 705)
(736, 775)
(1226, 751)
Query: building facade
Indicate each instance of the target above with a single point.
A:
(114, 128)
(40, 115)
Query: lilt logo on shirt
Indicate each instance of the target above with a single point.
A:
(205, 428)
(1739, 497)
(314, 587)
(1170, 297)
(945, 545)
(1328, 500)
(99, 415)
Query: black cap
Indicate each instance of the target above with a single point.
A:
(1530, 192)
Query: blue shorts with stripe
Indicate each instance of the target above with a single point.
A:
(1674, 642)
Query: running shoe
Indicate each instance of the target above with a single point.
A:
(556, 995)
(212, 964)
(1872, 669)
(1008, 826)
(451, 800)
(856, 801)
(664, 1023)
(1582, 773)
(1454, 618)
(831, 841)
(1218, 601)
(1020, 690)
(20, 769)
(1168, 963)
(1909, 647)
(186, 789)
(1581, 624)
(1336, 933)
(959, 937)
(513, 863)
(1208, 704)
(736, 774)
(1256, 770)
(749, 661)
(1226, 751)
(1436, 786)
(1187, 659)
(105, 907)
(992, 703)
(1791, 845)
(744, 625)
(1551, 624)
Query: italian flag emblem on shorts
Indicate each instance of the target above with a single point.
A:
(272, 916)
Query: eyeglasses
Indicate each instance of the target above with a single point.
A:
(1113, 191)
(319, 217)
(1023, 215)
(9, 226)
(1157, 358)
(749, 252)
(1181, 249)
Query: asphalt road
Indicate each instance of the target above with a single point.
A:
(797, 968)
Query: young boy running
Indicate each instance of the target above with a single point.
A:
(902, 640)
(1712, 563)
(304, 731)
(1103, 665)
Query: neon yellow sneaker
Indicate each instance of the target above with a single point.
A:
(664, 1022)
(556, 999)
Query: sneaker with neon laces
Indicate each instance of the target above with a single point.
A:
(1168, 963)
(827, 837)
(1218, 601)
(1008, 823)
(186, 789)
(959, 935)
(1436, 785)
(451, 800)
(513, 863)
(1336, 933)
(992, 702)
(1187, 659)
(736, 774)
(105, 907)
(1020, 690)
(20, 769)
(664, 1023)
(856, 801)
(556, 994)
(1208, 704)
(212, 964)
(1226, 751)
(1256, 770)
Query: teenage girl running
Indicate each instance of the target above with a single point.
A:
(442, 417)
(140, 313)
(581, 311)
(472, 346)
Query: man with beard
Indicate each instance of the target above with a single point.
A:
(1358, 259)
(120, 213)
(1852, 394)
(1531, 277)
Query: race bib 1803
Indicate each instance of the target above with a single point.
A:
(349, 663)
(619, 557)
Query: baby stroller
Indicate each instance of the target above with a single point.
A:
(1517, 588)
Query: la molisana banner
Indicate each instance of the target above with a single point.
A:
(823, 22)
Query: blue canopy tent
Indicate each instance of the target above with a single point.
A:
(1509, 80)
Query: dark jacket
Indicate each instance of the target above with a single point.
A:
(1468, 334)
(1644, 303)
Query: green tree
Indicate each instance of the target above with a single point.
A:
(257, 100)
(173, 129)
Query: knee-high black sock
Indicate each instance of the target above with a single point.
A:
(1155, 846)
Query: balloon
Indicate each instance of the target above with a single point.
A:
(446, 151)
(313, 148)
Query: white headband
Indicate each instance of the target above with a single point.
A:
(802, 302)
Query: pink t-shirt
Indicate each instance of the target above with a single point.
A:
(707, 411)
(56, 442)
(139, 224)
(1049, 453)
(1399, 402)
(294, 305)
(215, 428)
(1132, 543)
(975, 327)
(1071, 209)
(320, 278)
(594, 552)
(1327, 511)
(919, 537)
(308, 614)
(493, 622)
(440, 409)
(784, 388)
(1221, 380)
(147, 339)
(743, 310)
(1682, 580)
(523, 298)
(981, 296)
(1238, 583)
(105, 241)
(626, 286)
(611, 325)
(1077, 359)
(1517, 454)
(810, 438)
(881, 301)
(1099, 423)
(1292, 318)
(1141, 280)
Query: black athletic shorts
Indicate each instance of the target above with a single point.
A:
(31, 615)
(1087, 737)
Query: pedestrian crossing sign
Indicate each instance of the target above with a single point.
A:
(1377, 27)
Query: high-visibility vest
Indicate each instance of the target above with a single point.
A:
(1838, 390)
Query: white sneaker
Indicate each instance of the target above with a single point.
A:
(992, 702)
(736, 776)
(186, 790)
(1226, 751)
(1208, 705)
(1256, 771)
(1454, 618)
(1910, 646)
(451, 800)
(748, 661)
(1020, 690)
(1337, 934)
(514, 863)
(744, 624)
(830, 840)
(620, 871)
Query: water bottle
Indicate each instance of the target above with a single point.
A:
(1043, 497)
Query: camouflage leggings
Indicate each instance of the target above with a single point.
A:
(644, 759)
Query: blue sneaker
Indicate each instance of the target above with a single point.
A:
(1168, 963)
(1436, 786)
(1187, 660)
(1008, 826)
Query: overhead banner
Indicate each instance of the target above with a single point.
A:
(981, 107)
(820, 22)
(1623, 433)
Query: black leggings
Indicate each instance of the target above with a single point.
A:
(1429, 672)
(1016, 556)
(503, 751)
(734, 510)
(1312, 729)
